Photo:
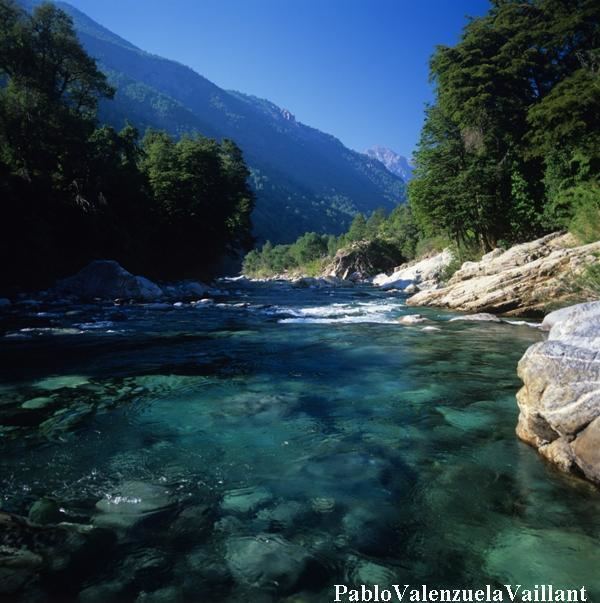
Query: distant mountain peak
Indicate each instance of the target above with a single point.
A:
(395, 163)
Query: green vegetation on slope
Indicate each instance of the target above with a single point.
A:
(73, 191)
(397, 234)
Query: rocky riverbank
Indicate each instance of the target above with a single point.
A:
(560, 399)
(527, 279)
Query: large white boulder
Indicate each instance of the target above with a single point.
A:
(424, 273)
(560, 399)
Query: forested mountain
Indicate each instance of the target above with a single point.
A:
(304, 179)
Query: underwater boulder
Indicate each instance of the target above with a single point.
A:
(266, 561)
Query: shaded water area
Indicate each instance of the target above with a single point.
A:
(278, 442)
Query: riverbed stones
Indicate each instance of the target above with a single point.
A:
(521, 556)
(367, 572)
(245, 500)
(131, 503)
(559, 402)
(191, 525)
(284, 515)
(102, 593)
(169, 594)
(369, 531)
(266, 561)
(65, 420)
(45, 511)
(38, 402)
(28, 550)
(336, 475)
(322, 504)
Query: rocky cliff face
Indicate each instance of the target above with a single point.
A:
(523, 280)
(560, 399)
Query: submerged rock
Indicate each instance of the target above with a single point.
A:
(45, 511)
(560, 399)
(38, 403)
(367, 572)
(412, 319)
(266, 561)
(522, 557)
(130, 504)
(523, 280)
(245, 500)
(101, 593)
(191, 525)
(30, 551)
(479, 317)
(370, 531)
(169, 594)
(106, 279)
(284, 515)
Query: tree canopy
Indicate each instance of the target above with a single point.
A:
(511, 142)
(74, 190)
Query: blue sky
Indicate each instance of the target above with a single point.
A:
(357, 69)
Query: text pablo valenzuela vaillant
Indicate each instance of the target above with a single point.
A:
(544, 593)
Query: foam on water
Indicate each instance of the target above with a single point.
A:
(377, 312)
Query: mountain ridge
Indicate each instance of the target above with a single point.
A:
(304, 179)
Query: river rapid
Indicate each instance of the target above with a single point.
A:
(279, 441)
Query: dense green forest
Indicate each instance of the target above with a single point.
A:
(73, 189)
(396, 234)
(510, 148)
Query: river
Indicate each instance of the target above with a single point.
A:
(280, 441)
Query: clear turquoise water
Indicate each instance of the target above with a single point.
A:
(359, 449)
